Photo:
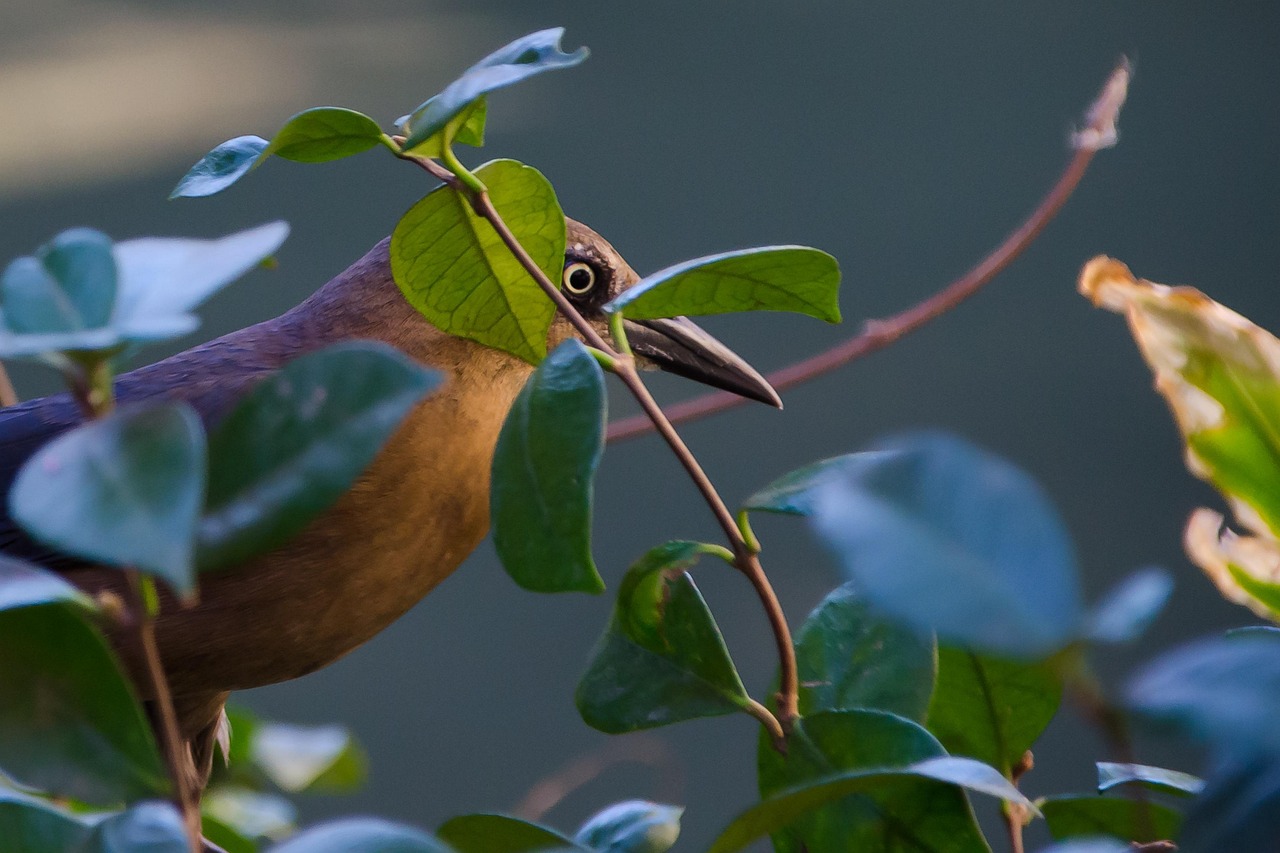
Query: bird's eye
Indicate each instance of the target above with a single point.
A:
(579, 278)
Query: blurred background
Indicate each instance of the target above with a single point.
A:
(905, 138)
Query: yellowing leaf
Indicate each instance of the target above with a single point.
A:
(1220, 374)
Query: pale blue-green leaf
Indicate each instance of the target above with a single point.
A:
(1126, 611)
(770, 278)
(1112, 775)
(147, 827)
(26, 585)
(634, 826)
(220, 168)
(252, 814)
(361, 835)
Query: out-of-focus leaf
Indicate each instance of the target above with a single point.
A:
(147, 827)
(1223, 690)
(251, 814)
(543, 474)
(361, 835)
(848, 657)
(1237, 809)
(69, 723)
(226, 836)
(899, 784)
(524, 57)
(497, 833)
(1220, 374)
(1128, 609)
(829, 742)
(770, 278)
(466, 127)
(1128, 820)
(1089, 845)
(298, 440)
(321, 134)
(220, 168)
(32, 825)
(944, 536)
(25, 585)
(662, 658)
(301, 758)
(1112, 775)
(452, 266)
(989, 708)
(634, 826)
(124, 490)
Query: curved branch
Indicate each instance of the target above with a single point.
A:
(877, 334)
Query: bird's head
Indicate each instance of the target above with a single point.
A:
(595, 273)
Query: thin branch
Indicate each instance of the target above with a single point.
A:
(1015, 814)
(878, 334)
(644, 749)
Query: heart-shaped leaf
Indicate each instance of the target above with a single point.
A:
(125, 490)
(662, 658)
(220, 168)
(771, 278)
(543, 472)
(64, 293)
(451, 265)
(296, 442)
(524, 57)
(989, 708)
(849, 657)
(944, 536)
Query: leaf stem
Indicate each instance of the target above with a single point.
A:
(878, 334)
(619, 333)
(468, 178)
(745, 559)
(770, 723)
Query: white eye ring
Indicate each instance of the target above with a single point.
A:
(576, 283)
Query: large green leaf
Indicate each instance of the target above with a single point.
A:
(34, 825)
(831, 742)
(497, 833)
(296, 442)
(662, 658)
(919, 826)
(634, 826)
(848, 657)
(1128, 820)
(361, 835)
(321, 134)
(989, 708)
(148, 827)
(524, 57)
(771, 278)
(69, 722)
(543, 473)
(125, 490)
(452, 266)
(220, 168)
(944, 536)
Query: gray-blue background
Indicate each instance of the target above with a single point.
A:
(905, 138)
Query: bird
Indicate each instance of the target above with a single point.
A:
(409, 520)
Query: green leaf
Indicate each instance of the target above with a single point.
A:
(1112, 775)
(634, 826)
(250, 814)
(1131, 607)
(771, 278)
(67, 288)
(543, 473)
(298, 440)
(662, 659)
(125, 490)
(1075, 816)
(918, 826)
(524, 57)
(850, 658)
(226, 836)
(452, 266)
(496, 833)
(220, 168)
(466, 127)
(944, 536)
(1223, 690)
(321, 134)
(361, 835)
(989, 708)
(148, 827)
(308, 758)
(69, 722)
(32, 825)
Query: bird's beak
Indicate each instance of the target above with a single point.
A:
(678, 345)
